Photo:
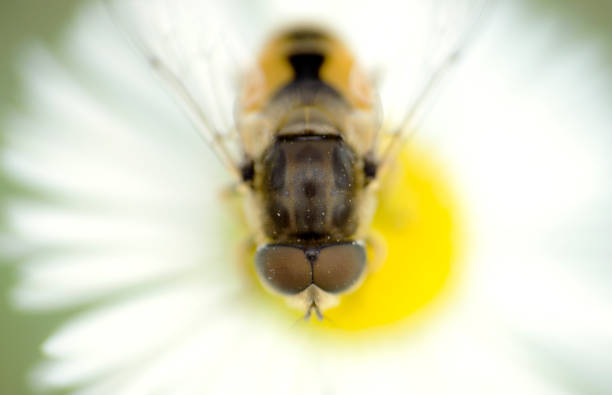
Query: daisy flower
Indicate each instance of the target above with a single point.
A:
(495, 218)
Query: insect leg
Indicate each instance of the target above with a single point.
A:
(378, 246)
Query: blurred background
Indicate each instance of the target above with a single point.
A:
(22, 21)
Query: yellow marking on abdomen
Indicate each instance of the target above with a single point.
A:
(274, 71)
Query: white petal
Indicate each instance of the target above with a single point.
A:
(528, 150)
(65, 279)
(117, 336)
(90, 155)
(529, 159)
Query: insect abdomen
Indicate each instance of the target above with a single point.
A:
(306, 54)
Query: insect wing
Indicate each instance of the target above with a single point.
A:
(192, 46)
(428, 39)
(201, 48)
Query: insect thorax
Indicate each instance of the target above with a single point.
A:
(309, 187)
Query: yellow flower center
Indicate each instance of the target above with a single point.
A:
(416, 219)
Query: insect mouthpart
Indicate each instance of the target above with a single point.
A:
(291, 269)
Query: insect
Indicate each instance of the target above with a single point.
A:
(310, 183)
(305, 139)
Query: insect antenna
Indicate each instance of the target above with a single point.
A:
(313, 306)
(306, 317)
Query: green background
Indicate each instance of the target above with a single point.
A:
(21, 334)
(25, 20)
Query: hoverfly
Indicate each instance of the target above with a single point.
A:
(297, 120)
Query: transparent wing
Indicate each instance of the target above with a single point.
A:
(429, 43)
(195, 48)
(202, 47)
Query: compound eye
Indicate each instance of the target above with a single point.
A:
(339, 266)
(283, 268)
